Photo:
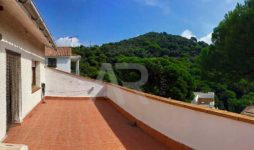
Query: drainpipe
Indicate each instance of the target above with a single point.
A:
(35, 16)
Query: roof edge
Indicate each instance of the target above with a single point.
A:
(31, 9)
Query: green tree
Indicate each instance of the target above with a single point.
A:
(167, 77)
(227, 65)
(233, 51)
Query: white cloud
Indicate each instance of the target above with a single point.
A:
(187, 34)
(164, 5)
(68, 42)
(207, 38)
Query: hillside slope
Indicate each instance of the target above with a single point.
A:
(167, 58)
(154, 45)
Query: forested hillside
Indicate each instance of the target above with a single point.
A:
(168, 59)
(178, 66)
(154, 45)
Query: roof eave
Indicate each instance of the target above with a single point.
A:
(31, 9)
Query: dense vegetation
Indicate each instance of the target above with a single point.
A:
(228, 63)
(168, 59)
(178, 66)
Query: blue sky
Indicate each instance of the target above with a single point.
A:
(74, 22)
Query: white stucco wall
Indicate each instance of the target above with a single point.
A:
(19, 40)
(68, 85)
(201, 131)
(63, 63)
(29, 99)
(2, 92)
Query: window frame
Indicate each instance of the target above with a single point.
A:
(35, 86)
(52, 62)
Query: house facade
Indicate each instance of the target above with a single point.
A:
(22, 62)
(62, 59)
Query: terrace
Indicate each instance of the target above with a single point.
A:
(81, 113)
(79, 124)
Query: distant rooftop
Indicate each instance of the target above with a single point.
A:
(204, 95)
(249, 111)
(59, 52)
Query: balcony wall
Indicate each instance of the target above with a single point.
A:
(180, 125)
(63, 84)
(194, 126)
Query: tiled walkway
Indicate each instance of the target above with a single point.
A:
(79, 125)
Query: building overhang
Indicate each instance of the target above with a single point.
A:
(75, 58)
(25, 12)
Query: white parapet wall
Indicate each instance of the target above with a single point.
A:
(194, 126)
(63, 84)
(196, 129)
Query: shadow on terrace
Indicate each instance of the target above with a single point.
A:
(70, 124)
(71, 120)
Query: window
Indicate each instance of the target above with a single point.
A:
(34, 73)
(35, 76)
(52, 62)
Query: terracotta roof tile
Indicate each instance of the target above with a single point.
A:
(60, 51)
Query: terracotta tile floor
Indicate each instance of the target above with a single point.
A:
(79, 125)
